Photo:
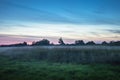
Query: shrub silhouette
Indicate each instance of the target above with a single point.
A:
(42, 42)
(104, 43)
(113, 43)
(79, 42)
(90, 43)
(15, 45)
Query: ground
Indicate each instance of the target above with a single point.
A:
(12, 68)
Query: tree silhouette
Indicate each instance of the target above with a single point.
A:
(25, 43)
(104, 43)
(42, 42)
(79, 42)
(113, 43)
(61, 42)
(90, 43)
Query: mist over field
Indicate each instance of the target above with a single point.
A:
(65, 54)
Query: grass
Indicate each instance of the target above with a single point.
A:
(20, 70)
(65, 54)
(43, 63)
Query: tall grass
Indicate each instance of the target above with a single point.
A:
(65, 54)
(49, 63)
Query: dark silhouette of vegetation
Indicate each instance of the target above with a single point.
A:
(42, 42)
(113, 43)
(90, 43)
(15, 45)
(61, 42)
(79, 42)
(104, 43)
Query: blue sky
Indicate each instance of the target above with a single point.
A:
(31, 20)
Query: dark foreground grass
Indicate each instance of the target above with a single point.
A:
(36, 70)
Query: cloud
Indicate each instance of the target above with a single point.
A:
(29, 13)
(11, 39)
(20, 36)
(115, 31)
(67, 31)
(95, 33)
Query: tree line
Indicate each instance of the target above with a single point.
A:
(46, 42)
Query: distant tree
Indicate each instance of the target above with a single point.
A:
(33, 42)
(90, 43)
(20, 44)
(104, 43)
(113, 43)
(15, 45)
(52, 44)
(42, 42)
(61, 42)
(24, 43)
(79, 42)
(117, 43)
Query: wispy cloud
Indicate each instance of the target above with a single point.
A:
(30, 13)
(11, 39)
(115, 31)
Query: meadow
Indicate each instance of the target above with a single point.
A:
(60, 63)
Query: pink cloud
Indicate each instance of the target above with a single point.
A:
(12, 39)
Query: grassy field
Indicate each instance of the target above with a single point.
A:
(60, 63)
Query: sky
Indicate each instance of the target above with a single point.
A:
(33, 20)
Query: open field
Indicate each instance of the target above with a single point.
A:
(60, 63)
(64, 54)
